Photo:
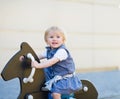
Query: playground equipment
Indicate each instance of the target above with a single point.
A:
(32, 80)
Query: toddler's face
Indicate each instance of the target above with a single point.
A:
(54, 39)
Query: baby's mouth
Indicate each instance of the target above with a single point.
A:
(54, 43)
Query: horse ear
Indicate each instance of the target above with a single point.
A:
(24, 45)
(26, 48)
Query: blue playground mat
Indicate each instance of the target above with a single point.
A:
(106, 83)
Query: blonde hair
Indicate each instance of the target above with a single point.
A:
(54, 28)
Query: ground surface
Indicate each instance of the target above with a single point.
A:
(106, 83)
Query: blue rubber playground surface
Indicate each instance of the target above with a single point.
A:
(106, 83)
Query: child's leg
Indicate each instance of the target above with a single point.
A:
(56, 96)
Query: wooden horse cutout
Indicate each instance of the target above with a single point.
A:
(14, 68)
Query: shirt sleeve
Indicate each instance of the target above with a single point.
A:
(44, 54)
(61, 54)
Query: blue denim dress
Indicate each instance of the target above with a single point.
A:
(62, 68)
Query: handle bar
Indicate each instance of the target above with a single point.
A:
(30, 77)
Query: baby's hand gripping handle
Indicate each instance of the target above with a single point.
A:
(30, 77)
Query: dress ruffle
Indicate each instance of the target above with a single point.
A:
(67, 86)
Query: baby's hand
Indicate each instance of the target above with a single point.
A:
(21, 58)
(35, 64)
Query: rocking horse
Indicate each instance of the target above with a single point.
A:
(32, 80)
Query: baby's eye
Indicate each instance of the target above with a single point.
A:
(51, 36)
(58, 36)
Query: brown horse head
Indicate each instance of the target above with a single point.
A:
(17, 69)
